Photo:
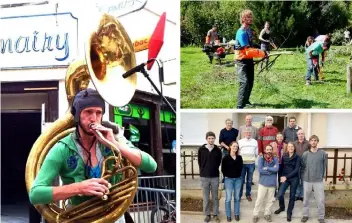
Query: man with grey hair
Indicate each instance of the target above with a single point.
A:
(254, 130)
(248, 149)
(301, 146)
(267, 134)
(313, 164)
(226, 136)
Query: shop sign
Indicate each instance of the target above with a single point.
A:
(141, 44)
(168, 117)
(135, 135)
(38, 41)
(132, 110)
(119, 8)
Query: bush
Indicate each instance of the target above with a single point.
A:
(338, 37)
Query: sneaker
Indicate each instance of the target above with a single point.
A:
(321, 221)
(229, 219)
(255, 219)
(308, 83)
(278, 211)
(217, 219)
(207, 218)
(268, 218)
(237, 217)
(249, 198)
(304, 219)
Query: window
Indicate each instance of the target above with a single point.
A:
(193, 128)
(338, 130)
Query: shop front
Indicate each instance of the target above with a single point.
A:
(34, 59)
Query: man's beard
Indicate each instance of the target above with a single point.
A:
(87, 132)
(269, 153)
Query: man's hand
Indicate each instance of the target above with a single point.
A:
(265, 168)
(106, 132)
(283, 179)
(94, 186)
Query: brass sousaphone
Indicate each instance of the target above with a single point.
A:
(109, 53)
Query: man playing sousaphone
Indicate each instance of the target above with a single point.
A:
(78, 157)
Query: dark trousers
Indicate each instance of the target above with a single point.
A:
(293, 183)
(245, 72)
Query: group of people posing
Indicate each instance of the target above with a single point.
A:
(245, 50)
(283, 160)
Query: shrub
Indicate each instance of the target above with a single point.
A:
(338, 37)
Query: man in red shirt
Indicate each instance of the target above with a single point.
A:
(267, 134)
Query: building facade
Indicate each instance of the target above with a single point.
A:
(333, 130)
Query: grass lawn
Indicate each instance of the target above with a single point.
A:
(205, 85)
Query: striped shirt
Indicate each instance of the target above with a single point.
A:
(248, 149)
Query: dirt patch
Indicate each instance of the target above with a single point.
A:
(191, 204)
(337, 213)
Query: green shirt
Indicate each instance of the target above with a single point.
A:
(64, 160)
(316, 47)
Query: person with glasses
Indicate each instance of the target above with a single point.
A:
(77, 158)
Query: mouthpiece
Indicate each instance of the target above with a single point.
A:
(91, 125)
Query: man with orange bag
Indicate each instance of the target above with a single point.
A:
(244, 54)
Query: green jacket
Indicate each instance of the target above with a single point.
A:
(64, 160)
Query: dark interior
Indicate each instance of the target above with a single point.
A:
(18, 133)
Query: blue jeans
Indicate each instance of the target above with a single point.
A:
(311, 69)
(232, 185)
(293, 183)
(299, 191)
(249, 170)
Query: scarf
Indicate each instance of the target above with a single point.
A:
(268, 158)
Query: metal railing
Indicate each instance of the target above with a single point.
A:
(154, 200)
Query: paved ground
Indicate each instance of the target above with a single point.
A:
(14, 213)
(191, 188)
(246, 213)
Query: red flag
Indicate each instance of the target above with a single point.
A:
(156, 40)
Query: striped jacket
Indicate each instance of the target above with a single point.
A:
(266, 136)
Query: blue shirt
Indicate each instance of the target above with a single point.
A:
(268, 178)
(244, 36)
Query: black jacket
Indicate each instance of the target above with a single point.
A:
(209, 162)
(289, 167)
(230, 167)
